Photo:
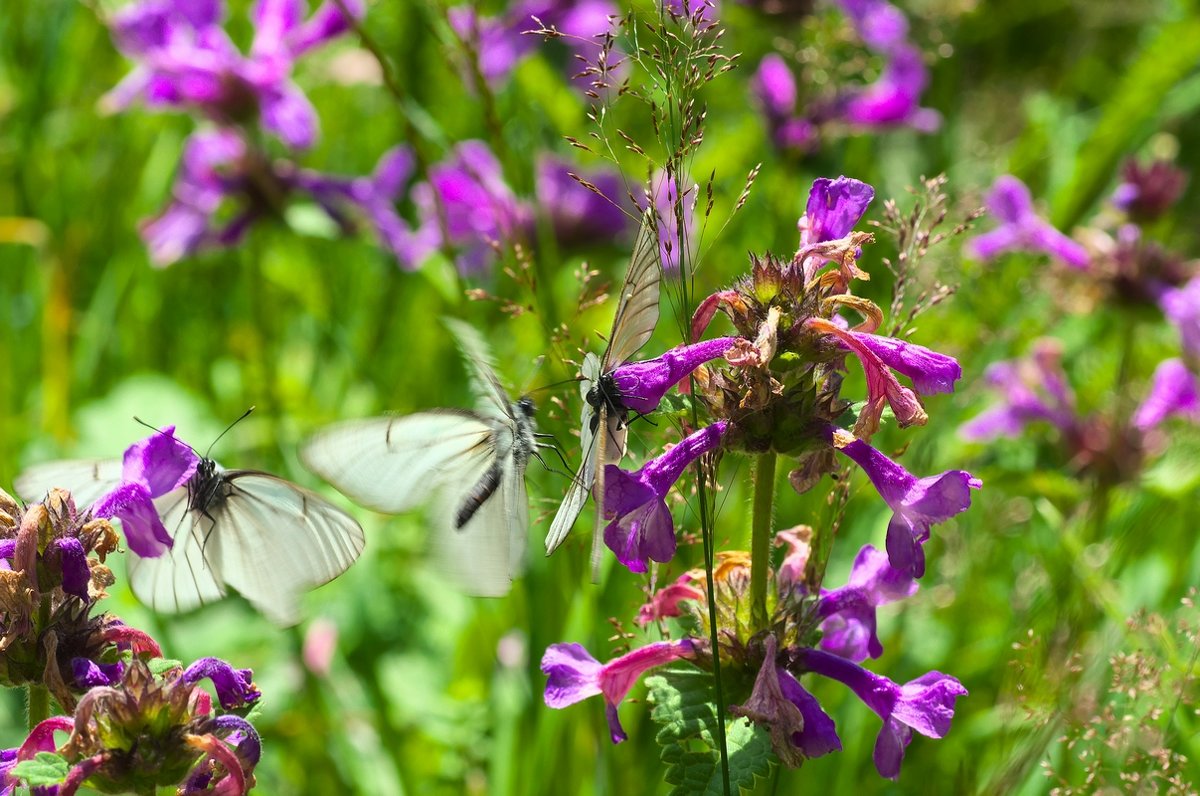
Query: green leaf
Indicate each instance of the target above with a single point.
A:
(159, 666)
(683, 707)
(47, 768)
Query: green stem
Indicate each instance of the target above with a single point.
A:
(39, 696)
(760, 538)
(713, 636)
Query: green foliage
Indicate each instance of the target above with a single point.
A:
(684, 709)
(46, 768)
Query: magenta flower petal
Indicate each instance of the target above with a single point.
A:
(881, 25)
(573, 675)
(665, 602)
(1173, 391)
(643, 384)
(131, 504)
(775, 86)
(925, 704)
(160, 463)
(917, 503)
(1182, 308)
(834, 207)
(640, 527)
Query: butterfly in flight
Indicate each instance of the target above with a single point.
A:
(263, 536)
(603, 430)
(467, 466)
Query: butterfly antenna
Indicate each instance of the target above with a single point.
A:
(552, 385)
(158, 430)
(227, 428)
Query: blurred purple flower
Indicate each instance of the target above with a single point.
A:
(1148, 192)
(1173, 391)
(775, 87)
(925, 704)
(1021, 229)
(576, 212)
(894, 99)
(799, 728)
(1032, 389)
(916, 503)
(500, 43)
(643, 384)
(666, 200)
(186, 60)
(153, 467)
(834, 207)
(848, 628)
(640, 527)
(480, 211)
(574, 675)
(881, 25)
(1181, 305)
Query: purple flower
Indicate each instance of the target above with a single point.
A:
(775, 87)
(1173, 391)
(799, 728)
(186, 60)
(1148, 192)
(640, 527)
(153, 467)
(235, 687)
(1021, 229)
(8, 761)
(578, 213)
(1033, 389)
(790, 575)
(89, 674)
(76, 574)
(916, 503)
(574, 675)
(643, 384)
(881, 25)
(834, 207)
(480, 211)
(925, 704)
(848, 629)
(209, 173)
(500, 43)
(1181, 305)
(664, 195)
(894, 99)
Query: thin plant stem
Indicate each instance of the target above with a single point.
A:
(38, 706)
(760, 537)
(706, 532)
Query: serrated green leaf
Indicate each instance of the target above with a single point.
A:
(684, 710)
(159, 666)
(46, 768)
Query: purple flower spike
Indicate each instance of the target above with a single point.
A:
(578, 213)
(1021, 229)
(574, 675)
(1173, 391)
(894, 99)
(925, 704)
(917, 503)
(643, 384)
(1182, 308)
(834, 207)
(1033, 389)
(235, 687)
(849, 612)
(76, 575)
(640, 527)
(799, 728)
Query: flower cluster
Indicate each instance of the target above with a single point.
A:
(138, 722)
(892, 100)
(778, 392)
(228, 180)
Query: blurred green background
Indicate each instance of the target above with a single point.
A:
(311, 329)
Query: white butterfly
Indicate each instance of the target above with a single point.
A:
(633, 324)
(468, 465)
(265, 537)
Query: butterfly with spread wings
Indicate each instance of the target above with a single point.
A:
(603, 429)
(267, 538)
(470, 465)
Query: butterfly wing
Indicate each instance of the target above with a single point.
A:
(182, 578)
(581, 485)
(87, 480)
(273, 541)
(394, 464)
(493, 400)
(637, 307)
